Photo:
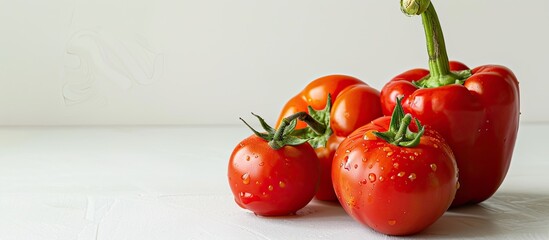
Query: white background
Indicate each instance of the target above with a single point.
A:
(105, 62)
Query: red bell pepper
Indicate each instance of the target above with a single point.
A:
(476, 110)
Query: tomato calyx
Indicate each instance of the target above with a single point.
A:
(317, 136)
(399, 133)
(286, 133)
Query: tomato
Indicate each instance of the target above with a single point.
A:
(394, 189)
(354, 107)
(316, 92)
(294, 105)
(344, 103)
(270, 181)
(325, 155)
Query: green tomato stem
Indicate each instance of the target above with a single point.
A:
(399, 134)
(302, 116)
(404, 123)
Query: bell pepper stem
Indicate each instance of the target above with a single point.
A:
(439, 65)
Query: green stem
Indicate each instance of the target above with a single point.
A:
(278, 142)
(436, 47)
(399, 133)
(439, 66)
(303, 116)
(404, 123)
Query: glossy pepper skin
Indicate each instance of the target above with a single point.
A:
(477, 111)
(353, 104)
(478, 119)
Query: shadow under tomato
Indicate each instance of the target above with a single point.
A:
(504, 214)
(316, 210)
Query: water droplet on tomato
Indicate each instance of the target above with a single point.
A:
(458, 185)
(433, 167)
(364, 181)
(401, 174)
(356, 166)
(392, 222)
(412, 176)
(369, 135)
(248, 158)
(395, 165)
(381, 178)
(372, 177)
(387, 149)
(261, 164)
(282, 184)
(246, 178)
(435, 145)
(246, 197)
(351, 202)
(270, 187)
(347, 163)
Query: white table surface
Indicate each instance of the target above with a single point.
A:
(133, 183)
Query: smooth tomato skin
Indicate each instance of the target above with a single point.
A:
(294, 105)
(272, 182)
(316, 92)
(354, 103)
(355, 106)
(325, 156)
(394, 190)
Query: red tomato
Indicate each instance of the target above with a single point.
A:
(316, 92)
(394, 190)
(354, 107)
(354, 104)
(273, 182)
(294, 105)
(325, 155)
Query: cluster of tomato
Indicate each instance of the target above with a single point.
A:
(393, 187)
(389, 157)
